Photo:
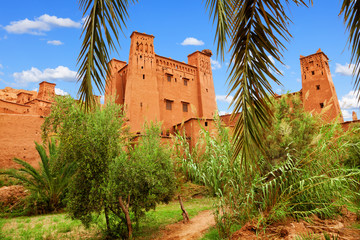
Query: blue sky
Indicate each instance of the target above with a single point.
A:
(40, 40)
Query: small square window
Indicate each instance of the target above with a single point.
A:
(313, 72)
(322, 105)
(317, 87)
(206, 124)
(168, 105)
(185, 107)
(168, 78)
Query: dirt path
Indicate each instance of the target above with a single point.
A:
(191, 230)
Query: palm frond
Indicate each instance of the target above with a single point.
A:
(351, 11)
(104, 20)
(255, 30)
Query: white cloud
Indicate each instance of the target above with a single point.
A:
(349, 101)
(192, 41)
(1, 66)
(224, 98)
(61, 92)
(215, 64)
(345, 70)
(287, 67)
(298, 80)
(55, 42)
(40, 25)
(346, 114)
(49, 74)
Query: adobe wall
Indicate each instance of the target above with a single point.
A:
(17, 135)
(181, 89)
(10, 107)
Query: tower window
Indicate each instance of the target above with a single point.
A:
(322, 105)
(186, 81)
(143, 76)
(206, 124)
(317, 87)
(313, 72)
(168, 104)
(168, 78)
(185, 107)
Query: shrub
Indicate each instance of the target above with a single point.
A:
(114, 176)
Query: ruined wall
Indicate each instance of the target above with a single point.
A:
(18, 133)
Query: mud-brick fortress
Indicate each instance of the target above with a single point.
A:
(154, 88)
(21, 116)
(157, 88)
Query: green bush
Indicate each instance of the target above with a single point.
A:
(114, 175)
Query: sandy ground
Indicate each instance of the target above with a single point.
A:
(192, 230)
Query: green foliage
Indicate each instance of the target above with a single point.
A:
(110, 167)
(143, 176)
(209, 162)
(353, 147)
(47, 185)
(292, 131)
(91, 140)
(302, 173)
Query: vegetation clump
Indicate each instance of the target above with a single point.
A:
(47, 184)
(114, 176)
(303, 171)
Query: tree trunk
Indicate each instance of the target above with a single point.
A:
(107, 219)
(127, 216)
(184, 212)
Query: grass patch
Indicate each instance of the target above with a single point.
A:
(168, 214)
(212, 234)
(59, 226)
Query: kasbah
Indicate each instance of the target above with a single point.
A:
(154, 88)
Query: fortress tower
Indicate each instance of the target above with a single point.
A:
(157, 88)
(318, 91)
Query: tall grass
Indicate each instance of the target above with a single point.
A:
(311, 177)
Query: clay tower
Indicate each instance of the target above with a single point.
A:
(206, 91)
(318, 91)
(141, 90)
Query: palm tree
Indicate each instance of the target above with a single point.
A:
(254, 31)
(47, 184)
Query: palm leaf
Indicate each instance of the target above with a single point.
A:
(351, 11)
(102, 24)
(255, 30)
